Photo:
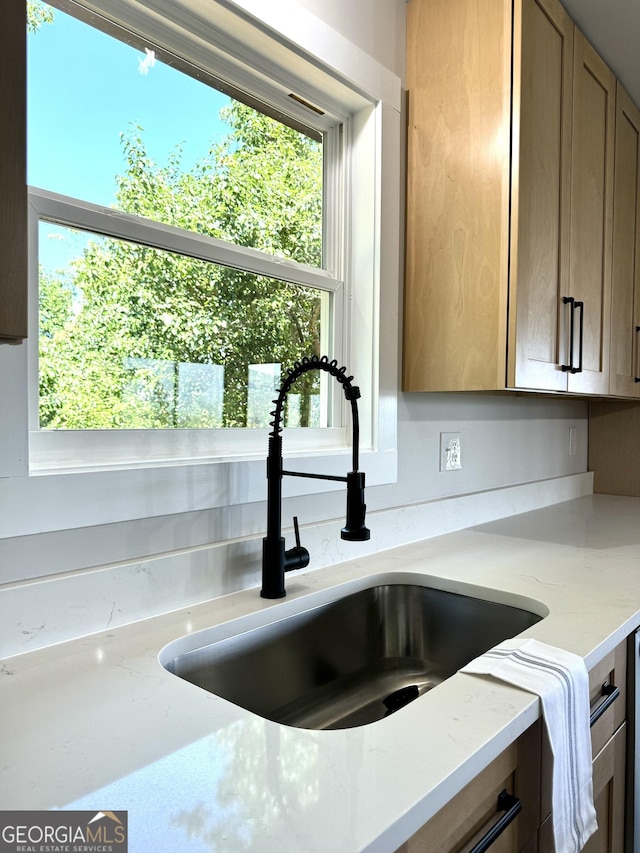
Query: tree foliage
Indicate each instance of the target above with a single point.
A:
(119, 331)
(37, 14)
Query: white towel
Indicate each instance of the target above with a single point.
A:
(560, 679)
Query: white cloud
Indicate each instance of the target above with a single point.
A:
(148, 62)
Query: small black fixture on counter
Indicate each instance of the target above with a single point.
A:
(275, 559)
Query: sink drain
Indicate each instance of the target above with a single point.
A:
(399, 698)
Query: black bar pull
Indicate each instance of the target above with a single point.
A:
(578, 369)
(608, 696)
(511, 806)
(569, 300)
(637, 378)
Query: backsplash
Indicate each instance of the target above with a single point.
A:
(40, 613)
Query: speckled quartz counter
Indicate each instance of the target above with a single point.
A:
(97, 723)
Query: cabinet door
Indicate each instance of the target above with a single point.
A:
(469, 815)
(592, 151)
(608, 745)
(608, 799)
(625, 284)
(458, 180)
(13, 188)
(539, 275)
(608, 796)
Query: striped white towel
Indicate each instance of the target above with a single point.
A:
(560, 679)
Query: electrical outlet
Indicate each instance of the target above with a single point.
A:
(572, 441)
(450, 451)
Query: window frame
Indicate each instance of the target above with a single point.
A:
(330, 68)
(81, 449)
(68, 449)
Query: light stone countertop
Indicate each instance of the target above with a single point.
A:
(97, 723)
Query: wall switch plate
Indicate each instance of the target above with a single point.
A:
(572, 441)
(450, 451)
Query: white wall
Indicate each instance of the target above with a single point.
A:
(375, 26)
(506, 441)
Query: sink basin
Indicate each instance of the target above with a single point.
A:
(351, 661)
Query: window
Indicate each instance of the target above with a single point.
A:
(264, 54)
(220, 275)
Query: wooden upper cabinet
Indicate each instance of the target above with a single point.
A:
(592, 158)
(509, 200)
(488, 194)
(13, 190)
(458, 185)
(625, 295)
(542, 109)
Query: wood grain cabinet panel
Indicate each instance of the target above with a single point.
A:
(608, 796)
(13, 189)
(511, 119)
(608, 747)
(608, 799)
(625, 294)
(539, 275)
(592, 161)
(458, 74)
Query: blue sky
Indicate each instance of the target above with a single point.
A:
(86, 88)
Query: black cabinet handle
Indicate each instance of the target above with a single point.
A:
(578, 369)
(609, 695)
(637, 378)
(569, 300)
(511, 806)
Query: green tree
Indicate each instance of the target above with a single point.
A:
(56, 317)
(142, 312)
(37, 14)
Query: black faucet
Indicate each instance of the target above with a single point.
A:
(275, 560)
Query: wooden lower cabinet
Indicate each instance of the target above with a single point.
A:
(470, 814)
(608, 747)
(608, 795)
(524, 770)
(608, 792)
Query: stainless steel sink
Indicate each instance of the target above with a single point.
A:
(352, 661)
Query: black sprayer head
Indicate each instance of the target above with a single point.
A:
(355, 529)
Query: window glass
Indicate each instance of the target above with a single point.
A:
(113, 125)
(137, 337)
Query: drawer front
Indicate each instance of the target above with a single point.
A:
(611, 670)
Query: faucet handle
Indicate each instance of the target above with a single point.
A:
(296, 531)
(298, 557)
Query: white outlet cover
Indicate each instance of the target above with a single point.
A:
(450, 451)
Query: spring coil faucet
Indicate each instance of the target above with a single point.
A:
(275, 559)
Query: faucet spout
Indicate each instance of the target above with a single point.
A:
(276, 560)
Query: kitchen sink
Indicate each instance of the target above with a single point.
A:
(351, 661)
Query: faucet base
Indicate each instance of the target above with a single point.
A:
(273, 561)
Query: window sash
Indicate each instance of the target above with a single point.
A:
(109, 222)
(80, 449)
